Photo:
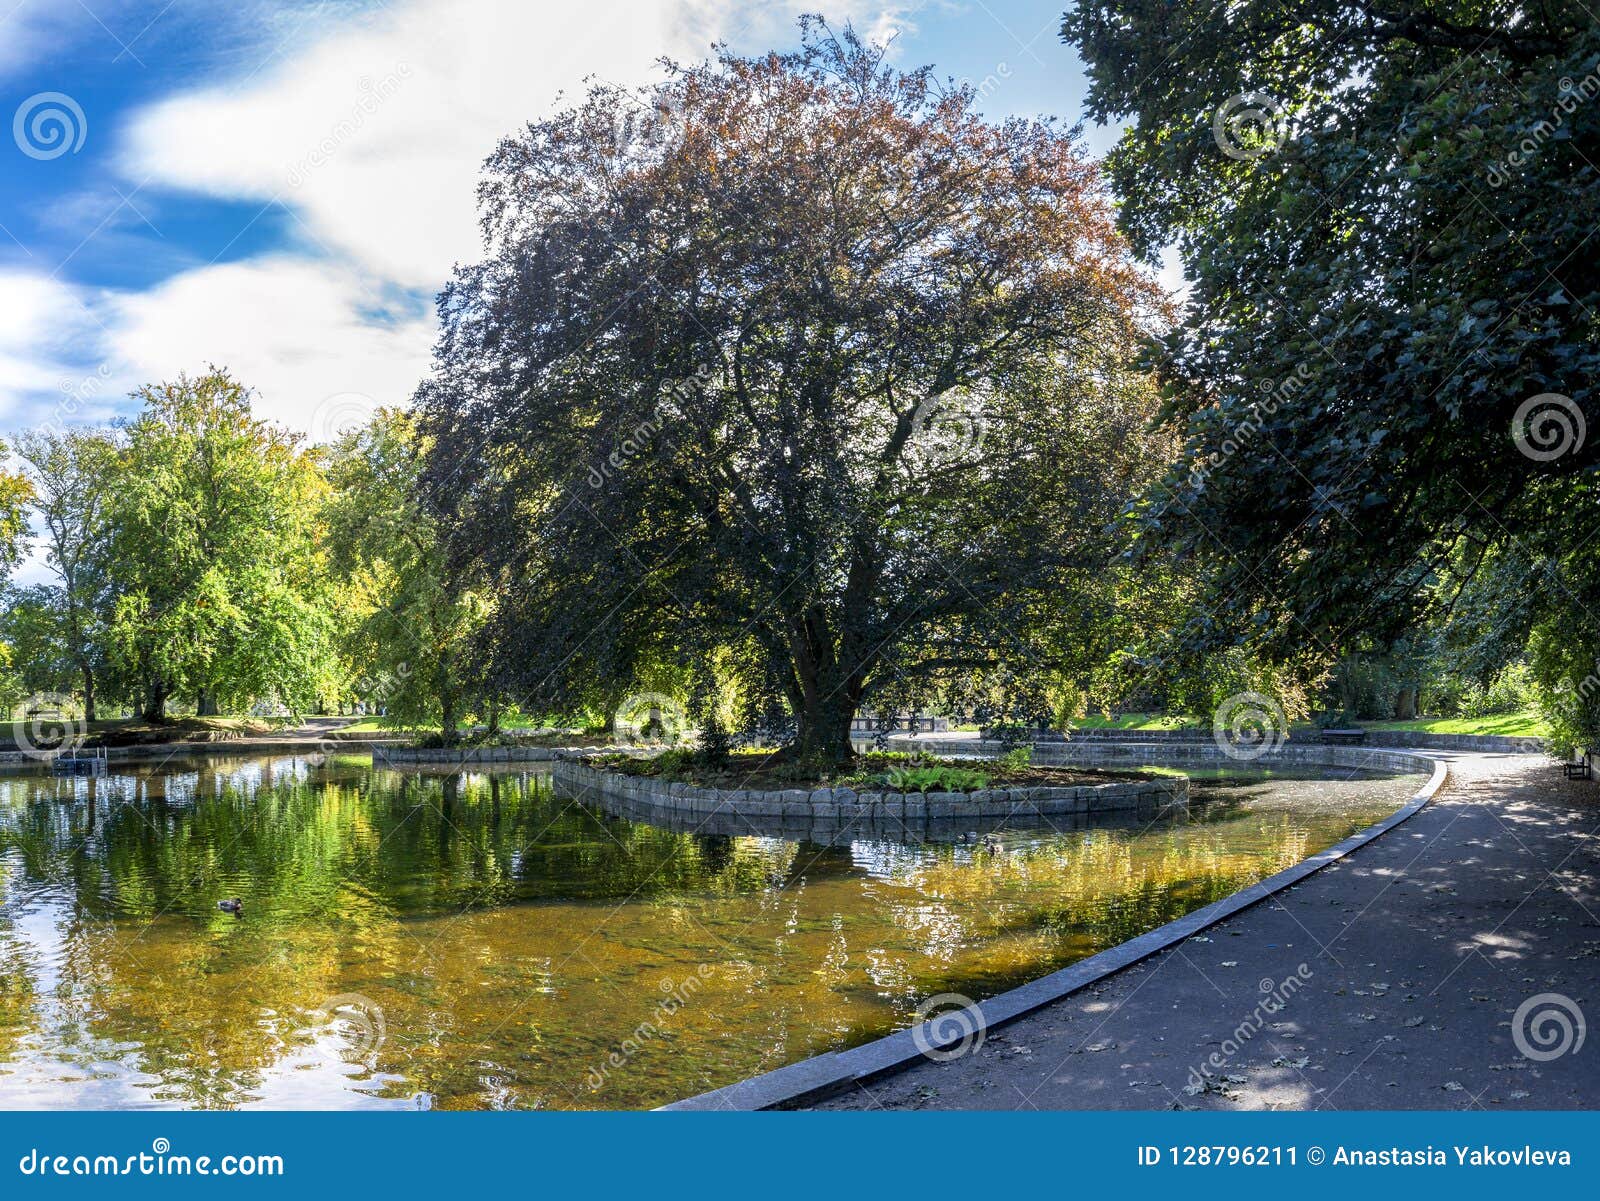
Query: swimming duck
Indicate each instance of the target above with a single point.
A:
(233, 905)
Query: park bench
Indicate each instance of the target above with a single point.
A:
(1578, 769)
(1344, 737)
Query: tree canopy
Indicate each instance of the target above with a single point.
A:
(805, 360)
(1385, 371)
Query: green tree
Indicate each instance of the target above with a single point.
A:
(221, 591)
(16, 493)
(805, 363)
(1384, 375)
(410, 616)
(71, 476)
(38, 655)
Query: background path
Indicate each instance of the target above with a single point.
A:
(1418, 951)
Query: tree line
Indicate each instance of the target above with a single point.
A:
(201, 555)
(795, 386)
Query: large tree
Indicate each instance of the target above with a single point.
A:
(803, 360)
(72, 480)
(1385, 373)
(221, 589)
(408, 618)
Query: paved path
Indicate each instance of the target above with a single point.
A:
(1418, 951)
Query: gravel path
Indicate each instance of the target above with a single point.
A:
(1389, 980)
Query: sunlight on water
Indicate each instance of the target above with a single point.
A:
(480, 942)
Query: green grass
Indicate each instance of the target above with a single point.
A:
(1137, 721)
(1526, 724)
(382, 725)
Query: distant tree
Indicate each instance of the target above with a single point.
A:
(410, 618)
(16, 492)
(39, 656)
(1385, 374)
(805, 363)
(220, 591)
(71, 474)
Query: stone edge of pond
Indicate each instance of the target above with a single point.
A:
(847, 805)
(824, 1075)
(21, 762)
(382, 756)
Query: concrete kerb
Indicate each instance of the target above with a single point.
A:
(824, 1075)
(847, 805)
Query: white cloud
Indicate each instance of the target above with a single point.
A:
(45, 326)
(375, 133)
(301, 333)
(372, 131)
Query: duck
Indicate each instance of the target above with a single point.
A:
(233, 905)
(991, 844)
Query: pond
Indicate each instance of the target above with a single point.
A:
(479, 941)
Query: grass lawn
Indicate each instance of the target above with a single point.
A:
(1526, 724)
(1138, 721)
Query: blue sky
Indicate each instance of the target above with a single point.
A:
(281, 186)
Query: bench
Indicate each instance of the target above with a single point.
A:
(1578, 769)
(1344, 737)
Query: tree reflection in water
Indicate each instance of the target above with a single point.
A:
(484, 942)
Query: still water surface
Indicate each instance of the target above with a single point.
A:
(479, 941)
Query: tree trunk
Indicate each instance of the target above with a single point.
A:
(447, 716)
(494, 716)
(88, 693)
(824, 718)
(1405, 705)
(206, 704)
(154, 703)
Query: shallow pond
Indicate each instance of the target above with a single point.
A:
(478, 941)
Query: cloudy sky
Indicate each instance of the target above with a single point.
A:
(280, 187)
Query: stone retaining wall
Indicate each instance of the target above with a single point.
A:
(15, 762)
(384, 756)
(1136, 754)
(846, 806)
(1493, 743)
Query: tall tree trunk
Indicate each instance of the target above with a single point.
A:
(154, 702)
(206, 703)
(88, 693)
(448, 718)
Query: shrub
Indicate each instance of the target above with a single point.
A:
(1018, 758)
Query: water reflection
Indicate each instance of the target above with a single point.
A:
(479, 941)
